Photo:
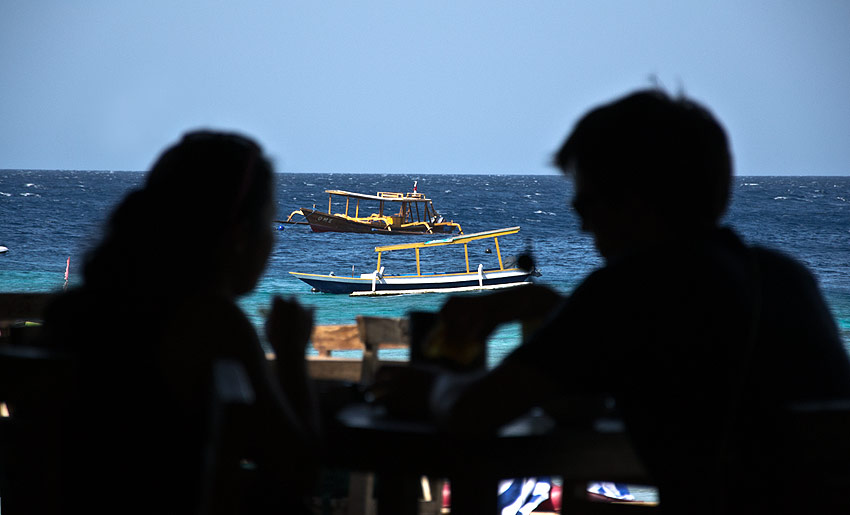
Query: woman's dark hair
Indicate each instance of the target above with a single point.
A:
(672, 152)
(170, 231)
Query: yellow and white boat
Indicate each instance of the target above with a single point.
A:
(472, 278)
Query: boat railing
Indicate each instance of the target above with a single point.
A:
(395, 194)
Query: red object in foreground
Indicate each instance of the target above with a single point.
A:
(553, 503)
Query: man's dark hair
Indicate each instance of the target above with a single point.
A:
(671, 152)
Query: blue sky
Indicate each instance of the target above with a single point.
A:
(413, 87)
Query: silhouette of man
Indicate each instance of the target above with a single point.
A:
(701, 339)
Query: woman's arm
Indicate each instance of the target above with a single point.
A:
(288, 330)
(284, 439)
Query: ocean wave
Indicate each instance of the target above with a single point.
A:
(539, 212)
(30, 195)
(5, 194)
(798, 198)
(750, 184)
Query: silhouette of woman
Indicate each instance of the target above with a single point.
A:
(156, 308)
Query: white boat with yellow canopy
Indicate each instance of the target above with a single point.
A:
(472, 278)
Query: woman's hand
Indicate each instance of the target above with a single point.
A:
(288, 329)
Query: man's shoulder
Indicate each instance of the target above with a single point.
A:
(775, 258)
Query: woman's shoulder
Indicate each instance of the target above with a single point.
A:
(201, 329)
(211, 320)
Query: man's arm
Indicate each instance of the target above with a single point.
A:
(474, 317)
(484, 401)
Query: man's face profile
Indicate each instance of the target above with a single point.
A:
(616, 220)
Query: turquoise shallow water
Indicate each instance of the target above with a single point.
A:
(48, 216)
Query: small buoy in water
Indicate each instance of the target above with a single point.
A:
(280, 227)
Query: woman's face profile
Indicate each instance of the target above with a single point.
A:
(259, 241)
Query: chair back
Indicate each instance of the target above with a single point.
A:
(231, 397)
(368, 335)
(38, 388)
(380, 333)
(20, 314)
(326, 339)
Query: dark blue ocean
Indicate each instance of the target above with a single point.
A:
(48, 216)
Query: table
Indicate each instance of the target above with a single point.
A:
(364, 437)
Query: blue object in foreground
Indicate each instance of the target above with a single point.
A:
(522, 496)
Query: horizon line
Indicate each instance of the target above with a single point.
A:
(282, 172)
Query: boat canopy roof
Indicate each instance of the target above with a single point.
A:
(451, 240)
(386, 197)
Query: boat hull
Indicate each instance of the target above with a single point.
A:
(410, 284)
(323, 222)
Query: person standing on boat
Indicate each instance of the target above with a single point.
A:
(701, 339)
(156, 309)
